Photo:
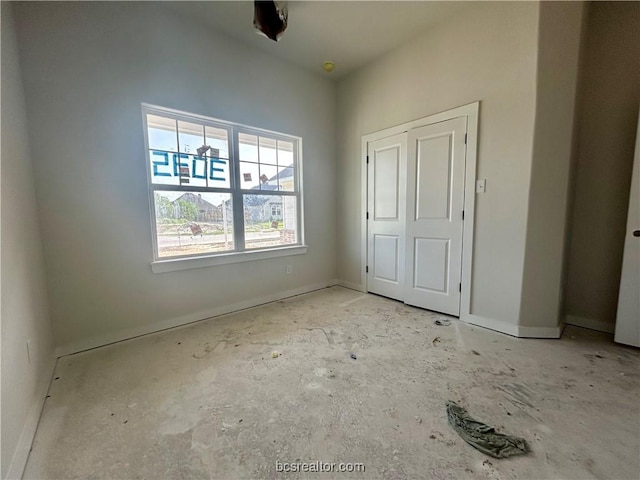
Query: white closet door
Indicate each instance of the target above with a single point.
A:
(435, 199)
(628, 318)
(386, 210)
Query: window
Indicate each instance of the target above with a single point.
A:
(276, 210)
(220, 188)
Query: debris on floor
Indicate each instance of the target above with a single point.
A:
(353, 356)
(483, 437)
(442, 322)
(275, 354)
(435, 340)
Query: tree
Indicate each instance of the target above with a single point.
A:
(164, 208)
(187, 210)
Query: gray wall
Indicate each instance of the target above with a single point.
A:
(486, 53)
(87, 68)
(24, 310)
(558, 54)
(609, 95)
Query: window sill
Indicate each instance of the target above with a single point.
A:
(172, 265)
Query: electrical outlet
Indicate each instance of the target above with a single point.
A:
(29, 351)
(288, 269)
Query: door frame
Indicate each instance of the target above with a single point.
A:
(471, 111)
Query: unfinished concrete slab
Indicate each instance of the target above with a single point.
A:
(212, 400)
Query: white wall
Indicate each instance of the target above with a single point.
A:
(87, 68)
(24, 310)
(485, 53)
(559, 38)
(608, 98)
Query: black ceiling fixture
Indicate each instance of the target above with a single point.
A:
(270, 18)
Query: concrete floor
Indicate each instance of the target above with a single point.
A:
(209, 401)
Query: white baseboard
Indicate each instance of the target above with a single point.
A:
(491, 324)
(540, 332)
(21, 453)
(130, 333)
(590, 323)
(514, 330)
(350, 285)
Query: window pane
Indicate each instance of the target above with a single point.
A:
(217, 139)
(285, 152)
(218, 174)
(248, 148)
(162, 167)
(162, 133)
(286, 181)
(268, 151)
(192, 223)
(268, 177)
(197, 168)
(285, 166)
(190, 136)
(269, 220)
(249, 176)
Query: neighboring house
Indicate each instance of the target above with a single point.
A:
(206, 212)
(285, 177)
(263, 208)
(258, 208)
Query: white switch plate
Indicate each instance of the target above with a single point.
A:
(288, 269)
(481, 186)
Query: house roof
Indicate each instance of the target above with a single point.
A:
(258, 200)
(285, 173)
(197, 200)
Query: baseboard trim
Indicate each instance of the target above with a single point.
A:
(540, 332)
(131, 333)
(518, 331)
(491, 324)
(590, 323)
(23, 448)
(350, 285)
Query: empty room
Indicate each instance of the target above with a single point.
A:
(320, 239)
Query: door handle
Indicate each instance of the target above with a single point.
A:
(636, 233)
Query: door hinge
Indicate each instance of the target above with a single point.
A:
(367, 268)
(459, 287)
(367, 215)
(367, 159)
(463, 214)
(465, 138)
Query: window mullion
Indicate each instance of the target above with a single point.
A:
(237, 200)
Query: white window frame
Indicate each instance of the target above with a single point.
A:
(277, 207)
(240, 252)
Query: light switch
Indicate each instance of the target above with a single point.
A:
(481, 186)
